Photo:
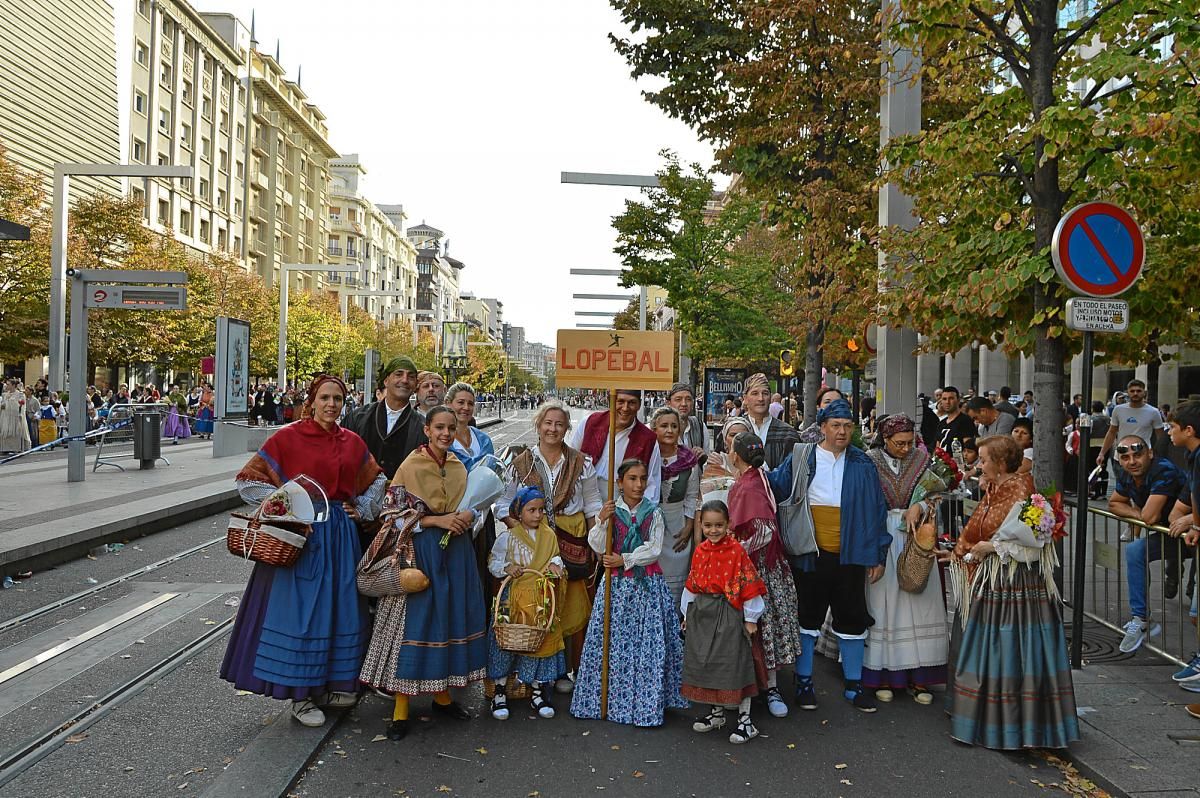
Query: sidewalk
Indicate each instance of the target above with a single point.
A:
(1136, 737)
(44, 519)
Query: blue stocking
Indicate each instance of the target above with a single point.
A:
(804, 663)
(853, 651)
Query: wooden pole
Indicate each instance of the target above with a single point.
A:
(612, 477)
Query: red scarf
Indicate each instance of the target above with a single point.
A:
(751, 500)
(642, 439)
(723, 568)
(336, 459)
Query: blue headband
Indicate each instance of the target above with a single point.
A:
(838, 408)
(524, 496)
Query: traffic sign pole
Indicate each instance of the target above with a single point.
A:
(1083, 468)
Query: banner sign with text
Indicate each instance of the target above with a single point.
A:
(638, 360)
(719, 385)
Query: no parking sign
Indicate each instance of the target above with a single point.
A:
(1098, 249)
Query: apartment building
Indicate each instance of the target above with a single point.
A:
(58, 88)
(477, 313)
(364, 234)
(438, 296)
(186, 105)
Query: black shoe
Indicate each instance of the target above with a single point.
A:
(806, 695)
(397, 730)
(1171, 584)
(453, 709)
(862, 699)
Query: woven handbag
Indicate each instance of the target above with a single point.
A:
(522, 638)
(272, 535)
(916, 561)
(388, 568)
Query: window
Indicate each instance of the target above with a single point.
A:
(141, 54)
(139, 151)
(164, 211)
(223, 162)
(185, 135)
(241, 170)
(204, 188)
(163, 160)
(205, 231)
(143, 8)
(241, 132)
(222, 199)
(206, 107)
(237, 243)
(139, 102)
(137, 194)
(237, 210)
(205, 148)
(189, 48)
(164, 120)
(185, 221)
(187, 92)
(222, 239)
(224, 121)
(164, 76)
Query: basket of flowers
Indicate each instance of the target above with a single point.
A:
(514, 631)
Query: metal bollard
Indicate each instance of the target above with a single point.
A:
(147, 438)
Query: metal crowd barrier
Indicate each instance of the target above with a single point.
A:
(1106, 589)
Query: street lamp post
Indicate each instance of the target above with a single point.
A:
(281, 368)
(63, 173)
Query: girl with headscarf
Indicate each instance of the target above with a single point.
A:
(907, 645)
(753, 522)
(528, 545)
(645, 653)
(680, 495)
(427, 642)
(300, 632)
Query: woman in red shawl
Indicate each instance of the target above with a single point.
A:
(753, 522)
(301, 632)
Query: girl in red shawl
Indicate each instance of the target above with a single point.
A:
(753, 522)
(721, 604)
(301, 632)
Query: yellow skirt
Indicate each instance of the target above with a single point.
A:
(576, 606)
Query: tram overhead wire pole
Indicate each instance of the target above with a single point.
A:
(63, 172)
(281, 364)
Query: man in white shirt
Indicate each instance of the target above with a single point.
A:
(1135, 417)
(634, 440)
(778, 438)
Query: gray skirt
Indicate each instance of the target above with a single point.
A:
(718, 664)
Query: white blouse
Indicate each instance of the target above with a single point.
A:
(645, 554)
(585, 497)
(511, 550)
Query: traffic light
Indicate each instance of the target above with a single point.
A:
(852, 345)
(787, 362)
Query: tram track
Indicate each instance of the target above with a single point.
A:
(27, 754)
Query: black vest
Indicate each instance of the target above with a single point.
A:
(389, 450)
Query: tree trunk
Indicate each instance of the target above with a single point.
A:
(814, 342)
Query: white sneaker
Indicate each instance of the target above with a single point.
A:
(307, 713)
(1136, 632)
(500, 706)
(338, 700)
(885, 695)
(1126, 535)
(775, 703)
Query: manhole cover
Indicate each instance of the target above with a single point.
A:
(1099, 645)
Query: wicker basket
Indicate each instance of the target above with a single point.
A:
(250, 538)
(521, 638)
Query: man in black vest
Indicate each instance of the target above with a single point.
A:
(391, 427)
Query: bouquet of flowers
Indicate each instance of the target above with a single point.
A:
(1045, 516)
(942, 474)
(485, 484)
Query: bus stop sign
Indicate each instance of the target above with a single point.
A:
(1098, 249)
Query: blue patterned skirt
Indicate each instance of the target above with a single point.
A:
(1010, 685)
(645, 654)
(302, 631)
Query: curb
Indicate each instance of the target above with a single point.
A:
(54, 551)
(491, 422)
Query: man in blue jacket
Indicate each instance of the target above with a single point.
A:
(849, 516)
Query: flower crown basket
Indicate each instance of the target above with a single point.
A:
(276, 532)
(521, 638)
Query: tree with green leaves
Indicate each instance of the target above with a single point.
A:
(24, 265)
(1062, 109)
(787, 91)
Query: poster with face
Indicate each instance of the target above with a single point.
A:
(233, 368)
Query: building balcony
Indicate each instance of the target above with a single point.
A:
(258, 212)
(333, 251)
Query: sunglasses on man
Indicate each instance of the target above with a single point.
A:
(1133, 448)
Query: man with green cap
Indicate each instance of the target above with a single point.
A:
(391, 427)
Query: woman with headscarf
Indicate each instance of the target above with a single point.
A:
(300, 632)
(906, 647)
(679, 498)
(427, 642)
(718, 475)
(753, 521)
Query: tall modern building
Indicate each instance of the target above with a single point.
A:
(58, 87)
(438, 297)
(363, 234)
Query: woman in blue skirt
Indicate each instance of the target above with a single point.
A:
(301, 632)
(645, 652)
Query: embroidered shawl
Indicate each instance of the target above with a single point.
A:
(529, 470)
(335, 459)
(723, 568)
(992, 511)
(898, 488)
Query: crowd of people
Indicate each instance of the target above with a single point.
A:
(722, 565)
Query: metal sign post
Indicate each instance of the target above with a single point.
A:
(109, 289)
(1099, 251)
(370, 366)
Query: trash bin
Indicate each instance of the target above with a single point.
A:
(147, 438)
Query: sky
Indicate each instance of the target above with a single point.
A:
(466, 111)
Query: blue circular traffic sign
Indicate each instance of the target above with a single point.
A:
(1098, 249)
